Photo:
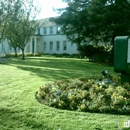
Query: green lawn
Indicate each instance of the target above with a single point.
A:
(19, 110)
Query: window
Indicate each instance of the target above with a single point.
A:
(57, 45)
(2, 47)
(45, 31)
(37, 31)
(51, 30)
(64, 45)
(51, 45)
(44, 45)
(58, 30)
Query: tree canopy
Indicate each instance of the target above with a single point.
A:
(21, 24)
(95, 20)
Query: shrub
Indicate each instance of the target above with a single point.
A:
(94, 94)
(64, 55)
(19, 54)
(86, 50)
(37, 54)
(28, 54)
(13, 54)
(96, 53)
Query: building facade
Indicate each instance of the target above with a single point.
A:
(47, 40)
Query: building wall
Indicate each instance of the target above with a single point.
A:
(58, 44)
(5, 47)
(48, 39)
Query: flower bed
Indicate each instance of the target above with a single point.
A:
(94, 94)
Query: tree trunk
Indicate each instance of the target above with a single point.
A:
(15, 49)
(23, 56)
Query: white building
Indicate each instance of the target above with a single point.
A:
(47, 40)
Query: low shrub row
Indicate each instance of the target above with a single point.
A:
(64, 55)
(96, 94)
(26, 54)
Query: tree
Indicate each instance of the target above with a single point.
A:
(95, 20)
(21, 24)
(5, 13)
(11, 37)
(23, 33)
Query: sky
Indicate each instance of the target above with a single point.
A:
(47, 7)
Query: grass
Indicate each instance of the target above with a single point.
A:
(19, 110)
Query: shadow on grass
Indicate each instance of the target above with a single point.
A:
(46, 62)
(52, 74)
(58, 68)
(12, 120)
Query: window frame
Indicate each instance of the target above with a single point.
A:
(45, 30)
(44, 45)
(64, 45)
(51, 30)
(51, 45)
(57, 45)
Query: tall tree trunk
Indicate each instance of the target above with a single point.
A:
(15, 49)
(23, 56)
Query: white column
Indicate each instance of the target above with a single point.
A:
(31, 45)
(35, 45)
